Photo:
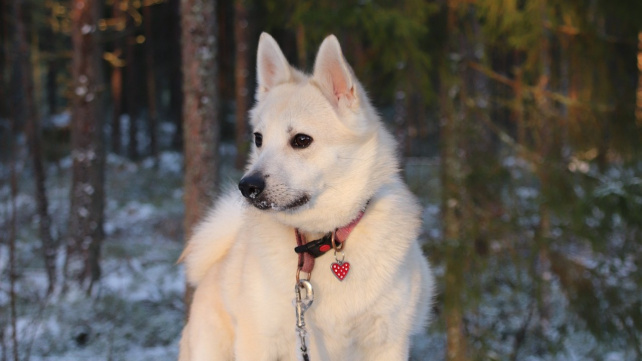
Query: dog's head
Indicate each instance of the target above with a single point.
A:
(315, 139)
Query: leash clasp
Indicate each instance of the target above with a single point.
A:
(302, 302)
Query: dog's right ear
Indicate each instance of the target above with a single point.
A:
(272, 68)
(333, 74)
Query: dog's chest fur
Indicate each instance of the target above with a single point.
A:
(261, 273)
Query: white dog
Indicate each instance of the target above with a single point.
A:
(323, 167)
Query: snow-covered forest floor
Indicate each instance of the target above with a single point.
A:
(136, 311)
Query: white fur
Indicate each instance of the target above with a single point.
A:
(241, 258)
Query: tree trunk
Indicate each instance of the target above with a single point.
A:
(176, 76)
(224, 11)
(452, 184)
(132, 89)
(52, 96)
(638, 95)
(4, 55)
(49, 45)
(32, 129)
(241, 71)
(117, 81)
(87, 194)
(200, 110)
(151, 83)
(13, 274)
(400, 118)
(518, 107)
(546, 145)
(300, 46)
(452, 225)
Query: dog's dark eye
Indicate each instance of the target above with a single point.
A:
(258, 139)
(301, 141)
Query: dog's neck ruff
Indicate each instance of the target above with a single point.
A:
(308, 251)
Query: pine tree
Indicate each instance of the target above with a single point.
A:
(32, 128)
(241, 72)
(87, 188)
(152, 107)
(133, 89)
(455, 244)
(200, 110)
(117, 75)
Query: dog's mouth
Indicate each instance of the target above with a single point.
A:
(263, 203)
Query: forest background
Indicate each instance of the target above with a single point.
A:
(519, 124)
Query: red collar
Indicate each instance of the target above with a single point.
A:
(308, 251)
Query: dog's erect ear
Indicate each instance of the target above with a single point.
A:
(272, 68)
(333, 74)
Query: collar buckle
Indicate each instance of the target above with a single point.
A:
(317, 247)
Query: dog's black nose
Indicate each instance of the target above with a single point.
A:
(252, 185)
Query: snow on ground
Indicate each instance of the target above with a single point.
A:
(136, 311)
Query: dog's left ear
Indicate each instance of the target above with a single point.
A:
(334, 76)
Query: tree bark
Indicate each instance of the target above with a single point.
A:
(241, 72)
(301, 53)
(87, 194)
(638, 94)
(4, 55)
(13, 185)
(151, 83)
(32, 129)
(224, 11)
(518, 107)
(452, 224)
(400, 118)
(117, 82)
(133, 89)
(546, 147)
(176, 76)
(200, 110)
(49, 45)
(452, 199)
(13, 274)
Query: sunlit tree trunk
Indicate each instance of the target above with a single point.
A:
(451, 179)
(545, 145)
(32, 128)
(518, 106)
(452, 229)
(200, 110)
(241, 72)
(87, 194)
